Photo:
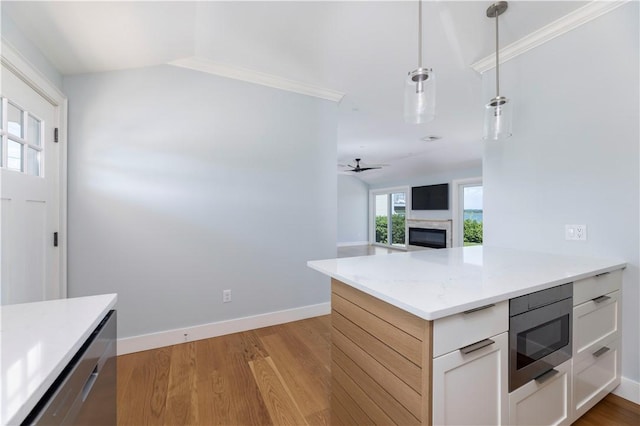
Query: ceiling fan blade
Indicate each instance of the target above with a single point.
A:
(362, 169)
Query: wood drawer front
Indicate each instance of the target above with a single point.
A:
(592, 287)
(593, 322)
(594, 377)
(456, 331)
(543, 404)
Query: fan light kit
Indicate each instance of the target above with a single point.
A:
(497, 119)
(420, 87)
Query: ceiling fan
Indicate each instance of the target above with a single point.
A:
(357, 168)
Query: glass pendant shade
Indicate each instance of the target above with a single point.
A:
(497, 118)
(420, 96)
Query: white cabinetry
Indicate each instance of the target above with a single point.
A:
(544, 401)
(596, 340)
(469, 388)
(470, 367)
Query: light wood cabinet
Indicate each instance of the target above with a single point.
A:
(543, 401)
(472, 388)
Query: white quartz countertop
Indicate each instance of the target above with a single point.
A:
(437, 283)
(37, 342)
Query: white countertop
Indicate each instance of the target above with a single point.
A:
(37, 342)
(437, 283)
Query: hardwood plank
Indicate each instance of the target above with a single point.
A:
(406, 370)
(404, 343)
(402, 392)
(407, 322)
(182, 394)
(228, 393)
(427, 374)
(277, 397)
(146, 392)
(612, 410)
(376, 392)
(305, 378)
(320, 418)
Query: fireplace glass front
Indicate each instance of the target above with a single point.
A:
(424, 237)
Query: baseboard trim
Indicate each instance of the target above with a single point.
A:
(145, 342)
(353, 243)
(628, 389)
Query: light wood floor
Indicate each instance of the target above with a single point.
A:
(274, 375)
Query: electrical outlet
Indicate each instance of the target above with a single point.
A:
(575, 232)
(226, 296)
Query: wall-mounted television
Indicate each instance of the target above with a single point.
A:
(430, 197)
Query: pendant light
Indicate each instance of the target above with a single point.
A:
(497, 118)
(420, 87)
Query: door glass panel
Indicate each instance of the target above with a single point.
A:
(14, 118)
(472, 211)
(381, 211)
(34, 131)
(14, 156)
(398, 218)
(33, 162)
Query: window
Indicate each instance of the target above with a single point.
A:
(388, 212)
(22, 147)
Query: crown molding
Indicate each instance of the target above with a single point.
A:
(547, 33)
(230, 71)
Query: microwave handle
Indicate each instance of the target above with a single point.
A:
(546, 376)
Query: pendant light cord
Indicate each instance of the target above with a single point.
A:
(497, 59)
(419, 33)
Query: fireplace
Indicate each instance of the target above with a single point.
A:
(427, 237)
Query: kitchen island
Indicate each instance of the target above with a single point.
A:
(38, 341)
(404, 327)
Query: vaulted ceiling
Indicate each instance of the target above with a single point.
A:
(362, 49)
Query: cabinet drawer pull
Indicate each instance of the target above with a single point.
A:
(476, 346)
(601, 299)
(603, 350)
(604, 273)
(479, 309)
(546, 375)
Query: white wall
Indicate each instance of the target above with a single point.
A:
(573, 157)
(12, 35)
(353, 205)
(433, 179)
(182, 184)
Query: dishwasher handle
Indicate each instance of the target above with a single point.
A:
(89, 383)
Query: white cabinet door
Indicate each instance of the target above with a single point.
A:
(544, 402)
(472, 388)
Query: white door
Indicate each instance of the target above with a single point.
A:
(29, 195)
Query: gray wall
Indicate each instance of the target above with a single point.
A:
(12, 35)
(182, 184)
(353, 210)
(573, 157)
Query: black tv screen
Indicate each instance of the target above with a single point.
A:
(430, 197)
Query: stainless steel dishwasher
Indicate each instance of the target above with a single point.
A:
(85, 392)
